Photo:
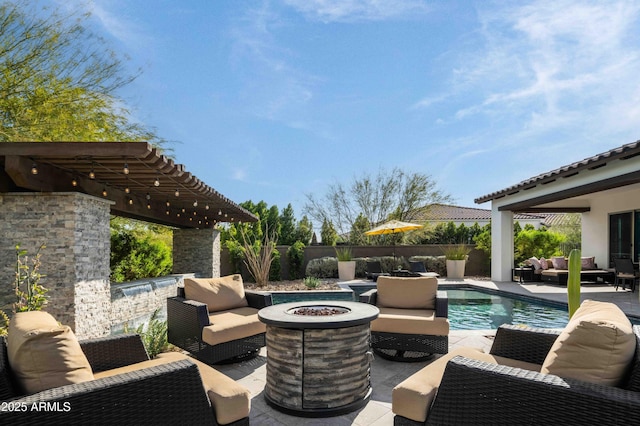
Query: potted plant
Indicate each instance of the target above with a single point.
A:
(346, 264)
(456, 258)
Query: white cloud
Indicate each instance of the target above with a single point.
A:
(551, 65)
(358, 10)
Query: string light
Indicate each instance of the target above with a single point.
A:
(206, 207)
(104, 192)
(92, 174)
(127, 190)
(177, 193)
(167, 212)
(156, 182)
(130, 201)
(34, 169)
(168, 203)
(219, 212)
(149, 206)
(148, 196)
(125, 170)
(195, 203)
(74, 182)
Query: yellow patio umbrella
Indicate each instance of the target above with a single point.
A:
(393, 227)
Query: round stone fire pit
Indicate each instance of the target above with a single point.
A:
(318, 356)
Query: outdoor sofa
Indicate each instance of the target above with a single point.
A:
(555, 270)
(588, 373)
(216, 320)
(47, 376)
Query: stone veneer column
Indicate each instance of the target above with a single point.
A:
(196, 251)
(75, 229)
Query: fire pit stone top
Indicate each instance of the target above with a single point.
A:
(325, 314)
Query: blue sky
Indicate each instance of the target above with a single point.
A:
(271, 100)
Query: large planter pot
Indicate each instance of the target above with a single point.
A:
(455, 268)
(347, 270)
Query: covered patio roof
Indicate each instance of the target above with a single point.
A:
(142, 183)
(568, 200)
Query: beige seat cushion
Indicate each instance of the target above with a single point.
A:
(231, 400)
(413, 397)
(410, 321)
(44, 354)
(219, 294)
(597, 345)
(407, 293)
(231, 325)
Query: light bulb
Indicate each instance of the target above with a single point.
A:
(34, 169)
(125, 170)
(177, 192)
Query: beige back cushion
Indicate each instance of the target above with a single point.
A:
(597, 345)
(44, 354)
(407, 293)
(219, 294)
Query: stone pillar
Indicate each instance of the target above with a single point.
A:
(196, 251)
(75, 230)
(501, 244)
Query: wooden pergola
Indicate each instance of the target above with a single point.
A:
(142, 183)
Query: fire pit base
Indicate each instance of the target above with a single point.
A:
(318, 366)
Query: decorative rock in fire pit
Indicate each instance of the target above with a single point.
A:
(318, 310)
(318, 357)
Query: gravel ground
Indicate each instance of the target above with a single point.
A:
(325, 284)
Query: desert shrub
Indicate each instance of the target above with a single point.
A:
(274, 271)
(361, 267)
(311, 282)
(295, 258)
(324, 267)
(154, 335)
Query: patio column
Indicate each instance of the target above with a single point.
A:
(196, 251)
(74, 227)
(501, 244)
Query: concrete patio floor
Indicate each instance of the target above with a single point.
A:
(386, 374)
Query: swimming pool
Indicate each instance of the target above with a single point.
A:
(476, 309)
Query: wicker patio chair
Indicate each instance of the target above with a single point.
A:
(192, 324)
(166, 392)
(502, 387)
(413, 323)
(625, 273)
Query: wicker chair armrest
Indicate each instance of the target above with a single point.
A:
(107, 353)
(442, 304)
(164, 394)
(479, 393)
(258, 299)
(523, 343)
(370, 297)
(185, 321)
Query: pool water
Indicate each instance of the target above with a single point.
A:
(471, 309)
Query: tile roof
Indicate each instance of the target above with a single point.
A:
(445, 212)
(599, 160)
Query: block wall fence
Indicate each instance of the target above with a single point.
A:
(477, 265)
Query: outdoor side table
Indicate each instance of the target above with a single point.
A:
(522, 274)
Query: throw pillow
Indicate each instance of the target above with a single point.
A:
(543, 263)
(407, 293)
(597, 345)
(559, 262)
(535, 262)
(588, 262)
(44, 354)
(219, 294)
